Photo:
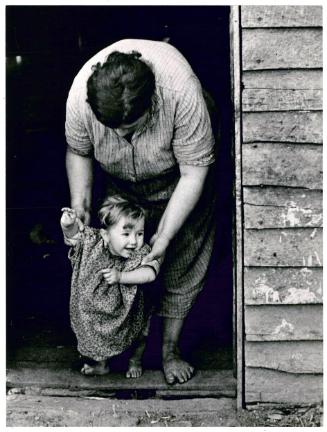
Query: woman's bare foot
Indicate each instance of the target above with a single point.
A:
(135, 369)
(99, 368)
(175, 369)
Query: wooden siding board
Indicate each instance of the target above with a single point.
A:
(281, 16)
(282, 104)
(283, 322)
(283, 285)
(291, 127)
(238, 319)
(281, 387)
(279, 207)
(257, 100)
(291, 247)
(293, 357)
(282, 165)
(283, 79)
(281, 48)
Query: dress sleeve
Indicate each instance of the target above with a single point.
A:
(81, 241)
(77, 136)
(193, 142)
(155, 265)
(76, 244)
(135, 261)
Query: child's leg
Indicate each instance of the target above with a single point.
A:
(99, 368)
(135, 369)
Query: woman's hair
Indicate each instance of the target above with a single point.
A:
(120, 90)
(115, 207)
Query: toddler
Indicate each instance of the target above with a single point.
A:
(107, 309)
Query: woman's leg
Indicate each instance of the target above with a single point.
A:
(175, 369)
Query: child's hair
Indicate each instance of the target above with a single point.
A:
(115, 207)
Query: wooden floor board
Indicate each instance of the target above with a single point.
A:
(211, 383)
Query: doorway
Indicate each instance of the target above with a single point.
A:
(46, 46)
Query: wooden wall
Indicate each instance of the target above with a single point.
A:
(282, 192)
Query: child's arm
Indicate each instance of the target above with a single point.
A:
(71, 225)
(141, 275)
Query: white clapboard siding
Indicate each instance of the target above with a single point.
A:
(283, 285)
(281, 16)
(280, 164)
(262, 385)
(286, 356)
(282, 194)
(290, 79)
(292, 247)
(290, 48)
(284, 322)
(282, 207)
(290, 126)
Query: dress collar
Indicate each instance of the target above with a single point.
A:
(156, 103)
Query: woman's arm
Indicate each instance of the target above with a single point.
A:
(80, 178)
(141, 275)
(182, 202)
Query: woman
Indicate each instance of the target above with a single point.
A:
(138, 109)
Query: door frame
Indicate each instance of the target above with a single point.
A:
(238, 263)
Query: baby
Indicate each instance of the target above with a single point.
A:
(107, 308)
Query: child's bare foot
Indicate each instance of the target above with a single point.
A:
(135, 369)
(100, 368)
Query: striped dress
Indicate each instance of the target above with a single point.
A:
(146, 168)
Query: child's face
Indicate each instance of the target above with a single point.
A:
(125, 236)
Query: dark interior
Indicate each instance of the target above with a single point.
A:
(46, 46)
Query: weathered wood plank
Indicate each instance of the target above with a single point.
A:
(66, 378)
(281, 16)
(238, 329)
(257, 100)
(283, 322)
(282, 165)
(286, 356)
(283, 79)
(266, 207)
(293, 127)
(267, 285)
(292, 247)
(281, 48)
(271, 386)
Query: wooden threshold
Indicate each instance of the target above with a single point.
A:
(55, 381)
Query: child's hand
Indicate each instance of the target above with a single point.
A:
(69, 218)
(112, 276)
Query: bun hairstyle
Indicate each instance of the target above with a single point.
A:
(120, 90)
(115, 207)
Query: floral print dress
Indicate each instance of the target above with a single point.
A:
(106, 319)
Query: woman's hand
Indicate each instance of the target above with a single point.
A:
(83, 215)
(159, 245)
(112, 276)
